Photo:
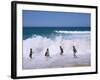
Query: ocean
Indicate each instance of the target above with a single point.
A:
(41, 38)
(51, 32)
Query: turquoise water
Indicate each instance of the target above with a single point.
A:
(51, 31)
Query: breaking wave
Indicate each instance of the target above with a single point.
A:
(74, 32)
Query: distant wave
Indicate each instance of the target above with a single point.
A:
(71, 35)
(73, 32)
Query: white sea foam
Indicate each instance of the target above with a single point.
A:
(39, 44)
(73, 32)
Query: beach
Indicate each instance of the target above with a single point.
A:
(55, 39)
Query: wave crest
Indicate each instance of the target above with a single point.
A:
(73, 32)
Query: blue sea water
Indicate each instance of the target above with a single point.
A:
(52, 31)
